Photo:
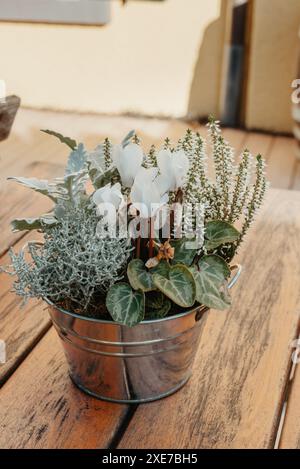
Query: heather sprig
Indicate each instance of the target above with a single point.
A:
(241, 189)
(257, 194)
(150, 160)
(107, 153)
(167, 143)
(223, 156)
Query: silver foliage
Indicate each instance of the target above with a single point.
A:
(72, 265)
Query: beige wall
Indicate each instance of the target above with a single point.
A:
(273, 59)
(153, 58)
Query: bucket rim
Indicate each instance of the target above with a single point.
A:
(196, 309)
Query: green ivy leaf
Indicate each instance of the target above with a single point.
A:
(219, 232)
(182, 254)
(67, 140)
(139, 277)
(125, 305)
(179, 287)
(210, 280)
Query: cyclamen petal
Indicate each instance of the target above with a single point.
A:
(128, 161)
(181, 167)
(173, 169)
(109, 194)
(145, 193)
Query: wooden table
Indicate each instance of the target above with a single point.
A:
(242, 384)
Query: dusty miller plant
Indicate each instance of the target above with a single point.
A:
(73, 267)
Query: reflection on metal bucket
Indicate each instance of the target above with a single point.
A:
(122, 364)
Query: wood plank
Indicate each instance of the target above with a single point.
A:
(235, 395)
(236, 138)
(296, 178)
(18, 153)
(26, 143)
(258, 143)
(41, 408)
(20, 328)
(91, 129)
(281, 163)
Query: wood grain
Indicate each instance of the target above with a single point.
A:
(20, 328)
(296, 178)
(41, 408)
(281, 163)
(234, 398)
(258, 143)
(236, 138)
(27, 144)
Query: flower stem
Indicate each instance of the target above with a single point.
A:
(151, 222)
(138, 247)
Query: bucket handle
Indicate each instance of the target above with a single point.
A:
(236, 276)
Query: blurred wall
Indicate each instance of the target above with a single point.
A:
(273, 57)
(153, 58)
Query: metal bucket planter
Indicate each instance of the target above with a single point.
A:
(131, 365)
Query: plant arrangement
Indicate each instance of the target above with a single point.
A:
(137, 235)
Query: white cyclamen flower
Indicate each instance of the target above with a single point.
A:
(128, 161)
(173, 169)
(146, 194)
(109, 195)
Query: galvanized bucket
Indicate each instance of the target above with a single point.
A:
(130, 365)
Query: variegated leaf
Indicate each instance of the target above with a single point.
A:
(210, 281)
(179, 286)
(125, 305)
(219, 232)
(183, 255)
(139, 277)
